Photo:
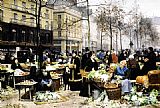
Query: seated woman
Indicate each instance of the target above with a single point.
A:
(46, 82)
(16, 65)
(121, 69)
(126, 85)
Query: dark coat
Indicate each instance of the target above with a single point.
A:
(76, 61)
(90, 65)
(150, 64)
(16, 66)
(85, 57)
(152, 60)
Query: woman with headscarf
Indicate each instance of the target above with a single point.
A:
(91, 64)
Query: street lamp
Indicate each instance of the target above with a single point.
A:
(39, 46)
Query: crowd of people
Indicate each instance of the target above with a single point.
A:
(128, 64)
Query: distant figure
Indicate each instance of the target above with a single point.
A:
(85, 57)
(149, 61)
(114, 58)
(122, 56)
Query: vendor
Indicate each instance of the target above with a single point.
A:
(126, 85)
(91, 63)
(46, 82)
(121, 69)
(76, 61)
(16, 64)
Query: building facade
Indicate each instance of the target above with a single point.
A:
(67, 26)
(18, 24)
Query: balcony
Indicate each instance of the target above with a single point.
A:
(18, 8)
(14, 7)
(22, 22)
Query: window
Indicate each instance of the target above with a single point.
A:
(15, 16)
(23, 36)
(23, 17)
(1, 15)
(24, 6)
(57, 42)
(59, 33)
(59, 21)
(15, 2)
(32, 21)
(47, 11)
(13, 35)
(32, 7)
(31, 39)
(47, 25)
(1, 32)
(48, 38)
(1, 2)
(47, 14)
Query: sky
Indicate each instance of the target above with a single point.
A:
(149, 8)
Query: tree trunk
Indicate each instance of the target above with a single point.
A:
(110, 27)
(120, 38)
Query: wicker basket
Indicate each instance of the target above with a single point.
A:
(113, 91)
(154, 76)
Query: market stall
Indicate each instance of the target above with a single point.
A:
(111, 89)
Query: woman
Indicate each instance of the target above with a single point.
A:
(91, 63)
(122, 68)
(133, 67)
(46, 82)
(16, 64)
(76, 61)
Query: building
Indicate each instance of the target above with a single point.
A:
(67, 26)
(89, 30)
(18, 27)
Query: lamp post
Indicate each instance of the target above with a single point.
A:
(88, 20)
(39, 50)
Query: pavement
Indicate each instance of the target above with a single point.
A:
(74, 101)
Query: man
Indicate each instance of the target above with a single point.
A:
(149, 61)
(85, 57)
(76, 61)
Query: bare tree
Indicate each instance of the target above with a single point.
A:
(109, 18)
(147, 30)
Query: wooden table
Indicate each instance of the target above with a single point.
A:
(20, 75)
(26, 85)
